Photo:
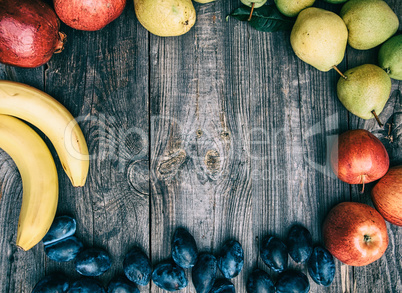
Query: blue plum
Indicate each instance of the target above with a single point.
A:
(137, 267)
(260, 282)
(184, 248)
(299, 243)
(62, 227)
(231, 259)
(54, 283)
(64, 250)
(292, 281)
(321, 266)
(92, 262)
(120, 284)
(86, 285)
(274, 253)
(223, 286)
(204, 272)
(169, 276)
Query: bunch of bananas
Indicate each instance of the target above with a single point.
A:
(33, 158)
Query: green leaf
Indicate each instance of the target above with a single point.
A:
(267, 18)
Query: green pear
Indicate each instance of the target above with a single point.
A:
(369, 22)
(319, 38)
(257, 3)
(165, 17)
(390, 57)
(365, 89)
(292, 8)
(335, 1)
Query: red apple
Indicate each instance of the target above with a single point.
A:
(88, 15)
(358, 157)
(355, 233)
(387, 196)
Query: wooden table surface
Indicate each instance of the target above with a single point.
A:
(222, 130)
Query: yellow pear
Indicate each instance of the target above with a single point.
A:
(165, 18)
(204, 1)
(370, 22)
(319, 38)
(292, 8)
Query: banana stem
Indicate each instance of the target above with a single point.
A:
(252, 10)
(340, 72)
(376, 118)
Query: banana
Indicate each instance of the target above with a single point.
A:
(54, 120)
(40, 185)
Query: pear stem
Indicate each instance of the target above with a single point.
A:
(340, 72)
(376, 118)
(363, 184)
(251, 13)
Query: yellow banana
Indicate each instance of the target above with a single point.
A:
(40, 186)
(54, 120)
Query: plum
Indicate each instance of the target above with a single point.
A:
(223, 286)
(137, 266)
(299, 243)
(169, 276)
(321, 266)
(92, 262)
(62, 227)
(231, 259)
(120, 284)
(204, 272)
(292, 281)
(274, 254)
(184, 248)
(260, 282)
(64, 250)
(54, 283)
(86, 285)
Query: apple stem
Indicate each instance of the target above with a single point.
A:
(367, 238)
(363, 185)
(251, 13)
(340, 72)
(376, 118)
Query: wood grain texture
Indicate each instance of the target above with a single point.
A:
(223, 131)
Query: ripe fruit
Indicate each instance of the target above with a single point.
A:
(88, 15)
(321, 266)
(52, 283)
(292, 8)
(387, 196)
(165, 17)
(86, 285)
(137, 267)
(274, 253)
(358, 157)
(64, 250)
(169, 276)
(120, 284)
(369, 22)
(292, 281)
(184, 248)
(40, 183)
(366, 89)
(62, 227)
(299, 243)
(390, 57)
(29, 33)
(355, 233)
(204, 272)
(231, 259)
(319, 38)
(54, 120)
(223, 286)
(260, 282)
(92, 262)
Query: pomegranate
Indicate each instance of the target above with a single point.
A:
(29, 33)
(88, 15)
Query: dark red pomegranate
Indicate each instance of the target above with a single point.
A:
(29, 33)
(88, 15)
